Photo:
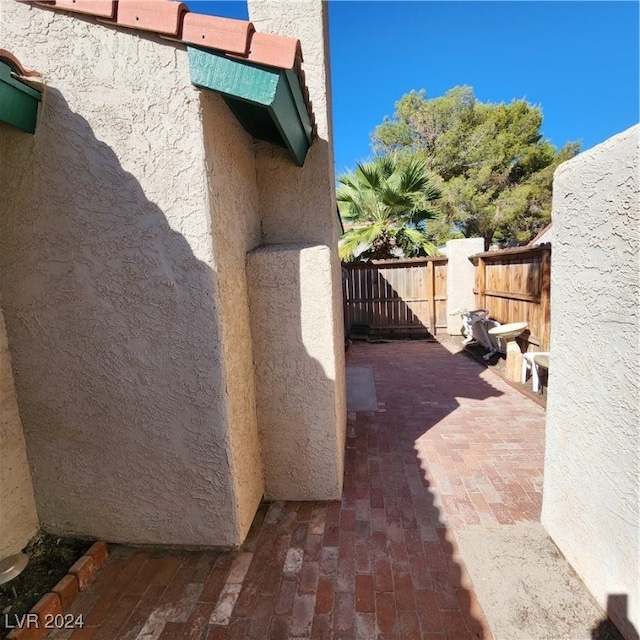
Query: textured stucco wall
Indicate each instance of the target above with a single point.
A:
(592, 466)
(298, 206)
(235, 225)
(113, 295)
(460, 280)
(298, 413)
(300, 213)
(18, 515)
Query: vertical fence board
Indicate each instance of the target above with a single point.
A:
(431, 293)
(396, 297)
(514, 285)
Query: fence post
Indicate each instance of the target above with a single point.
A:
(345, 302)
(460, 279)
(482, 283)
(431, 296)
(545, 299)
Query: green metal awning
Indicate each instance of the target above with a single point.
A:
(18, 101)
(268, 102)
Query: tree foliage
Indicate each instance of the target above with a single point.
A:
(387, 203)
(496, 169)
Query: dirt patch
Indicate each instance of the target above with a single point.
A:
(50, 559)
(527, 588)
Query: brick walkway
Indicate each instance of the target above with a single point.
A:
(450, 445)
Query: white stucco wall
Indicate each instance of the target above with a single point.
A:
(460, 280)
(592, 466)
(299, 415)
(114, 295)
(18, 515)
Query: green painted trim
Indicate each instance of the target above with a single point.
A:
(18, 101)
(232, 77)
(256, 120)
(288, 122)
(268, 102)
(301, 106)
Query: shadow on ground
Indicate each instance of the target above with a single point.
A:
(418, 384)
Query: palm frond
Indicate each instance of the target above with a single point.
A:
(414, 240)
(397, 200)
(414, 177)
(387, 165)
(431, 192)
(359, 238)
(348, 246)
(372, 232)
(419, 217)
(369, 175)
(386, 196)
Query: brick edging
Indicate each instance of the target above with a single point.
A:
(62, 596)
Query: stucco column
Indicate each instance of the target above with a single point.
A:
(300, 413)
(591, 505)
(300, 380)
(460, 280)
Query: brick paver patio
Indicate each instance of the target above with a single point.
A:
(450, 445)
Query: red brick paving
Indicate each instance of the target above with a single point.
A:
(485, 457)
(452, 445)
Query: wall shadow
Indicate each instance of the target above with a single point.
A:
(114, 332)
(622, 628)
(418, 384)
(297, 397)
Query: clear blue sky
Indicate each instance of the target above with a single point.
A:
(578, 60)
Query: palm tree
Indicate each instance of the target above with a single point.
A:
(388, 202)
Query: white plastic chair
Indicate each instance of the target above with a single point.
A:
(532, 361)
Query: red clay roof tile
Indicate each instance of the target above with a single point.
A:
(224, 34)
(7, 56)
(274, 51)
(98, 8)
(161, 16)
(174, 21)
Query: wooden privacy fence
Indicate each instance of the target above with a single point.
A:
(396, 297)
(515, 285)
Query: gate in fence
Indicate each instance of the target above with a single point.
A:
(396, 297)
